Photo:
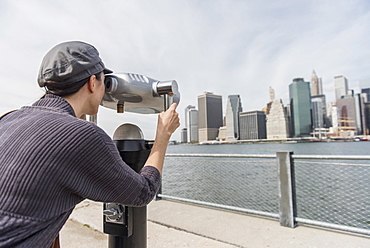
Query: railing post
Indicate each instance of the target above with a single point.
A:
(287, 196)
(157, 197)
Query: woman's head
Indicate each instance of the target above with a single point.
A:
(68, 66)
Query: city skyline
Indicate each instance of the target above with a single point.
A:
(306, 114)
(267, 93)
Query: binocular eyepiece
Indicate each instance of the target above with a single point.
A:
(138, 93)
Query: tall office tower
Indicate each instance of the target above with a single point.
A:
(319, 119)
(341, 86)
(191, 123)
(184, 135)
(209, 116)
(300, 107)
(271, 94)
(252, 125)
(233, 108)
(316, 85)
(277, 125)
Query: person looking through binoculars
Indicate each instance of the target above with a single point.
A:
(51, 159)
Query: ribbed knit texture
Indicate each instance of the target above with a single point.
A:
(49, 162)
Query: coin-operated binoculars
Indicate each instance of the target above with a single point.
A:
(127, 226)
(139, 94)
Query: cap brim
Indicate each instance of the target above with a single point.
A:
(107, 71)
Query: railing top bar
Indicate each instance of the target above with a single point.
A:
(337, 157)
(332, 157)
(223, 155)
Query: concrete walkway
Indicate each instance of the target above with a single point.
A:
(173, 224)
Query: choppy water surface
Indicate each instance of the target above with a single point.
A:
(312, 148)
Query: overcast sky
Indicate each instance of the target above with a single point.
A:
(225, 47)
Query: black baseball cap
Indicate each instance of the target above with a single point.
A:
(70, 62)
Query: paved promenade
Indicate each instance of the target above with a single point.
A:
(173, 224)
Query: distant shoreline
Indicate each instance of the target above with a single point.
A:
(290, 140)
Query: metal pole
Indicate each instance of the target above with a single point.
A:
(287, 196)
(166, 102)
(127, 226)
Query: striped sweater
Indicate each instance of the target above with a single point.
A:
(49, 162)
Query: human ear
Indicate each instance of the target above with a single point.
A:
(91, 84)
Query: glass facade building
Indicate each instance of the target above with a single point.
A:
(300, 107)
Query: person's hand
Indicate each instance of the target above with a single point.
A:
(168, 121)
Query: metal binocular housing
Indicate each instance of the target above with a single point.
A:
(128, 92)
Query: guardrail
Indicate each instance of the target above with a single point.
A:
(326, 191)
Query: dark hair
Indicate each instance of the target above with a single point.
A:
(63, 89)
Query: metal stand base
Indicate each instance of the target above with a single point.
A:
(138, 239)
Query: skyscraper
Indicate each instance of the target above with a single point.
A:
(319, 119)
(300, 104)
(233, 108)
(277, 126)
(318, 111)
(209, 116)
(316, 85)
(252, 125)
(341, 86)
(319, 116)
(191, 123)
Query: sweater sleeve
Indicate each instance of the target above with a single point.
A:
(95, 170)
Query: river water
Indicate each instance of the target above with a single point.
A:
(329, 191)
(311, 148)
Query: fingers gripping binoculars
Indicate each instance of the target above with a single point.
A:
(128, 92)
